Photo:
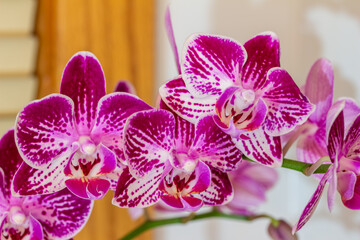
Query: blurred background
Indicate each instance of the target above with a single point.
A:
(37, 38)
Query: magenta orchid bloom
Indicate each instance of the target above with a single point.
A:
(125, 86)
(171, 159)
(74, 139)
(36, 217)
(255, 100)
(343, 175)
(250, 182)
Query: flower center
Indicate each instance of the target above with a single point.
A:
(17, 215)
(87, 146)
(183, 161)
(243, 99)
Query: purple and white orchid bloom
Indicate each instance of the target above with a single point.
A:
(250, 181)
(344, 152)
(254, 100)
(74, 139)
(171, 159)
(36, 217)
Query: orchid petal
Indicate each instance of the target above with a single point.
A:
(132, 192)
(171, 37)
(261, 147)
(332, 186)
(287, 106)
(13, 231)
(210, 64)
(45, 130)
(184, 130)
(335, 131)
(172, 201)
(346, 184)
(84, 82)
(191, 204)
(313, 202)
(311, 148)
(263, 54)
(32, 181)
(62, 214)
(352, 140)
(125, 86)
(149, 140)
(354, 202)
(36, 231)
(214, 147)
(112, 113)
(175, 94)
(319, 89)
(220, 190)
(10, 161)
(351, 110)
(92, 189)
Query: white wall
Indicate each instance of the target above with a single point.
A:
(307, 30)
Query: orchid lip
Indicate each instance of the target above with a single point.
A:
(17, 215)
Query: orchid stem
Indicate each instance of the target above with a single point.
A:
(149, 224)
(299, 166)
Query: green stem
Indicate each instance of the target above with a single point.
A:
(298, 166)
(149, 224)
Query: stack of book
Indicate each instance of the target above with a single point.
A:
(18, 54)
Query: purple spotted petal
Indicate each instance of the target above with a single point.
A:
(172, 201)
(112, 113)
(84, 82)
(319, 89)
(175, 94)
(192, 203)
(220, 190)
(62, 215)
(354, 202)
(44, 130)
(313, 202)
(346, 184)
(35, 229)
(125, 86)
(214, 147)
(311, 148)
(31, 181)
(287, 106)
(132, 192)
(335, 131)
(171, 37)
(184, 131)
(263, 54)
(10, 161)
(149, 140)
(210, 64)
(261, 147)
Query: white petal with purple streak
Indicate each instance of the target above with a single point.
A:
(210, 64)
(44, 130)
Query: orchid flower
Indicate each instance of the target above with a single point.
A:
(171, 159)
(59, 215)
(255, 100)
(74, 139)
(250, 182)
(343, 175)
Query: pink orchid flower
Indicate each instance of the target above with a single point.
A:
(74, 139)
(254, 100)
(172, 160)
(343, 150)
(36, 217)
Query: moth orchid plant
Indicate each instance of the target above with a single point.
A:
(219, 130)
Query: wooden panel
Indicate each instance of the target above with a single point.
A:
(121, 35)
